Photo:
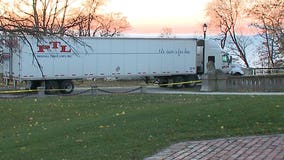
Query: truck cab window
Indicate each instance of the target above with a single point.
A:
(225, 58)
(211, 58)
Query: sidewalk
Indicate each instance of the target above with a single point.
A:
(269, 147)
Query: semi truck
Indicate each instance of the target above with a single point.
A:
(54, 62)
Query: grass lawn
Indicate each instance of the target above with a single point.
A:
(127, 127)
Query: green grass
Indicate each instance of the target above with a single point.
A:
(128, 126)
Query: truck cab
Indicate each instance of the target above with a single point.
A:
(222, 60)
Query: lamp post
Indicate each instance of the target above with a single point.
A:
(204, 37)
(204, 30)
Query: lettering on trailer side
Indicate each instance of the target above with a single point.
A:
(41, 48)
(178, 51)
(54, 46)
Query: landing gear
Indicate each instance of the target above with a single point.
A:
(51, 87)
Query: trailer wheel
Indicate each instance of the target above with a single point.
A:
(163, 82)
(51, 87)
(178, 82)
(191, 85)
(66, 87)
(237, 74)
(191, 81)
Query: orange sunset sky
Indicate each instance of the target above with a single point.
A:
(150, 16)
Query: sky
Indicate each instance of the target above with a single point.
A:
(151, 16)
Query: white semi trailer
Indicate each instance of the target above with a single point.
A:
(54, 62)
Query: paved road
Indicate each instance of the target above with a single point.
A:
(137, 89)
(269, 147)
(159, 90)
(178, 91)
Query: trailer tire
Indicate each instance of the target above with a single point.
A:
(191, 85)
(178, 82)
(163, 82)
(237, 74)
(191, 81)
(51, 87)
(66, 87)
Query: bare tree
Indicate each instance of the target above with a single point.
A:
(59, 17)
(225, 15)
(37, 17)
(245, 42)
(167, 32)
(111, 25)
(94, 23)
(88, 15)
(269, 20)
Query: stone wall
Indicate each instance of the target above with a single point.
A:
(228, 83)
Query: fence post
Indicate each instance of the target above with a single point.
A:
(40, 91)
(143, 89)
(208, 82)
(94, 90)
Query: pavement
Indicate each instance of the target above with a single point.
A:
(267, 147)
(12, 93)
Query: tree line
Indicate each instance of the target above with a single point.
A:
(60, 17)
